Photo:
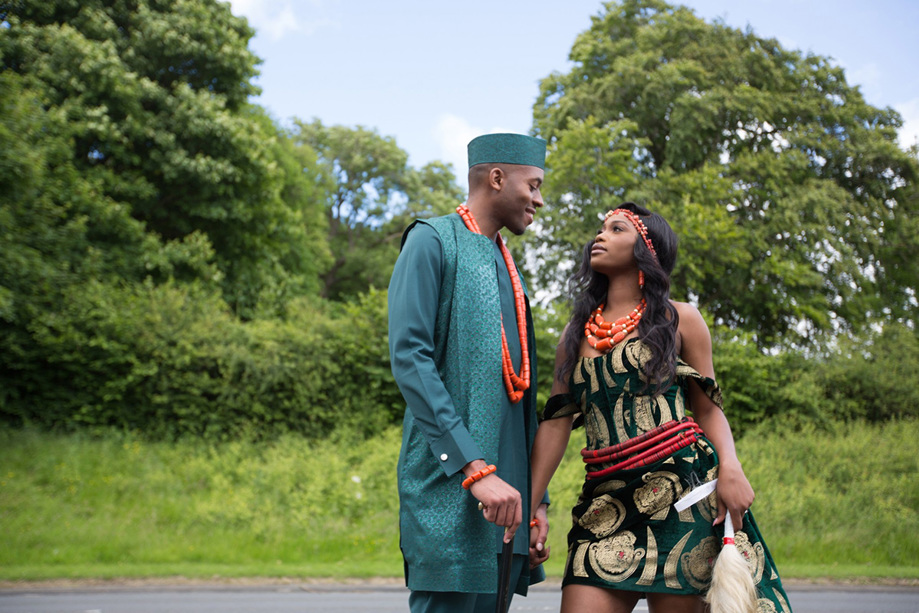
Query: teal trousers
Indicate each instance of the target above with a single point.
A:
(462, 602)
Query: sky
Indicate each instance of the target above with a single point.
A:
(433, 74)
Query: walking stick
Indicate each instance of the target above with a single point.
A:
(504, 576)
(732, 589)
(504, 572)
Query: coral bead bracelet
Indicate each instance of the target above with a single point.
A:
(467, 483)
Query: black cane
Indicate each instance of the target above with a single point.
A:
(504, 576)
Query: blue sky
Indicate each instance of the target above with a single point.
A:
(434, 74)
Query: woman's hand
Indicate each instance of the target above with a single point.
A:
(539, 552)
(735, 494)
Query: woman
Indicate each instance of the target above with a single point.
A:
(632, 362)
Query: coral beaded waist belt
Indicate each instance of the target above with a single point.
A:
(645, 449)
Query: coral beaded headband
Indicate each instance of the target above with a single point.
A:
(639, 225)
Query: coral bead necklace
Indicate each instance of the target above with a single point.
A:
(514, 385)
(603, 336)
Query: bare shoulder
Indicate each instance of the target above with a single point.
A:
(695, 341)
(687, 311)
(691, 320)
(559, 384)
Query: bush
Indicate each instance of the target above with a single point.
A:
(876, 379)
(759, 386)
(168, 361)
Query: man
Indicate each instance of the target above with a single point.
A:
(471, 402)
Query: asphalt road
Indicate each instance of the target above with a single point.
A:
(303, 598)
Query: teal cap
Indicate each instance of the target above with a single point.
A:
(507, 149)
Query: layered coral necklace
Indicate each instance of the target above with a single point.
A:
(603, 335)
(514, 385)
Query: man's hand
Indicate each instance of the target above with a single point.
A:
(501, 503)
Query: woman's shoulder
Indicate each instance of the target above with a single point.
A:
(684, 307)
(689, 313)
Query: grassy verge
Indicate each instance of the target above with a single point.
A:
(840, 503)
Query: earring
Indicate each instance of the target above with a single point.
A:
(641, 279)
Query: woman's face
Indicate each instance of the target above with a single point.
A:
(613, 249)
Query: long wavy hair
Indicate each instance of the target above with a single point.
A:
(658, 326)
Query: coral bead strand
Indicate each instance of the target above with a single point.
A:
(514, 385)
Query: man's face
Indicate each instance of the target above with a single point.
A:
(520, 197)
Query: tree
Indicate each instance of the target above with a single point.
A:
(372, 194)
(793, 202)
(154, 94)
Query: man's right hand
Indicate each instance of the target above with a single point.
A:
(501, 502)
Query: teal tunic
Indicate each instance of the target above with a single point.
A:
(449, 291)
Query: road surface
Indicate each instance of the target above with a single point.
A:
(362, 597)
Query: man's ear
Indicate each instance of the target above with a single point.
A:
(496, 178)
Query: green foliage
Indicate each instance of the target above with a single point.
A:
(151, 102)
(794, 205)
(878, 380)
(759, 387)
(371, 196)
(169, 361)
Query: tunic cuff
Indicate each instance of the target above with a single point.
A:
(454, 449)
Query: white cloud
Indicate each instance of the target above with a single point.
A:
(276, 18)
(452, 134)
(909, 133)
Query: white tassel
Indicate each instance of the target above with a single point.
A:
(732, 589)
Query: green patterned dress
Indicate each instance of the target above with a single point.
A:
(626, 535)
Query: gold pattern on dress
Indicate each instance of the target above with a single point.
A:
(679, 404)
(608, 486)
(577, 556)
(663, 410)
(650, 571)
(637, 354)
(590, 366)
(604, 515)
(644, 416)
(781, 599)
(697, 564)
(752, 553)
(607, 375)
(661, 489)
(764, 605)
(615, 559)
(673, 560)
(683, 369)
(596, 428)
(616, 360)
(622, 434)
(578, 373)
(704, 446)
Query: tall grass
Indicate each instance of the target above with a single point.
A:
(841, 501)
(72, 505)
